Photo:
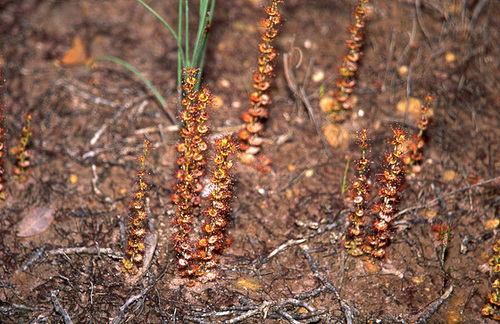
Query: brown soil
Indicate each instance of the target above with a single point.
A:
(286, 262)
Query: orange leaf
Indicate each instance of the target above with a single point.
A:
(76, 55)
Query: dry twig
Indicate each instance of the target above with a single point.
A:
(58, 308)
(424, 316)
(300, 93)
(88, 250)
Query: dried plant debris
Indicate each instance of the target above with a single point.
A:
(35, 221)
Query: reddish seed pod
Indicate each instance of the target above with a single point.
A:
(265, 99)
(354, 231)
(263, 60)
(379, 253)
(202, 242)
(204, 95)
(380, 225)
(208, 228)
(265, 48)
(211, 264)
(255, 140)
(263, 86)
(255, 128)
(266, 69)
(196, 200)
(271, 33)
(247, 117)
(127, 264)
(202, 129)
(255, 96)
(360, 213)
(220, 222)
(212, 239)
(358, 200)
(182, 263)
(140, 247)
(272, 10)
(258, 77)
(266, 23)
(190, 81)
(212, 212)
(139, 232)
(372, 240)
(275, 19)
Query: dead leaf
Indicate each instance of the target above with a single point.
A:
(335, 135)
(449, 175)
(76, 55)
(370, 267)
(35, 221)
(412, 104)
(249, 283)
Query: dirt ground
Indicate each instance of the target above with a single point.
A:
(286, 263)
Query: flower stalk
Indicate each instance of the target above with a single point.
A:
(21, 152)
(360, 192)
(217, 213)
(254, 117)
(343, 101)
(492, 307)
(414, 154)
(3, 194)
(192, 157)
(391, 181)
(138, 221)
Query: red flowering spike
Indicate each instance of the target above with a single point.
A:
(350, 64)
(262, 80)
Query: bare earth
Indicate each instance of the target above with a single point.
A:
(286, 263)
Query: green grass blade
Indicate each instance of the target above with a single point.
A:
(148, 84)
(186, 32)
(181, 60)
(203, 30)
(344, 182)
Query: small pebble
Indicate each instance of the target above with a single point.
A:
(318, 76)
(449, 57)
(418, 279)
(224, 83)
(448, 175)
(73, 178)
(403, 71)
(491, 224)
